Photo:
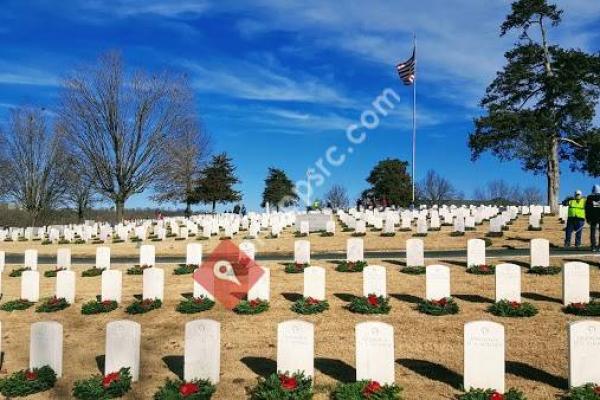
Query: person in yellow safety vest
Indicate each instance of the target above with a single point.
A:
(576, 218)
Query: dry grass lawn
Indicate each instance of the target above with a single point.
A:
(428, 349)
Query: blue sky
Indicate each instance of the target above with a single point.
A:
(278, 83)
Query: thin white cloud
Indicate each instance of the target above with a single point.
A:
(127, 8)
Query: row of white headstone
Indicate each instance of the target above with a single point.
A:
(484, 350)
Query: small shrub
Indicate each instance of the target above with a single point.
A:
(370, 304)
(366, 390)
(16, 305)
(255, 306)
(98, 307)
(53, 304)
(98, 387)
(283, 387)
(193, 305)
(27, 382)
(505, 308)
(143, 306)
(309, 305)
(443, 306)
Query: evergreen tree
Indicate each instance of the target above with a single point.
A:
(279, 190)
(217, 181)
(390, 182)
(540, 107)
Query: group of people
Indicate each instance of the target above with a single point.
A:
(582, 209)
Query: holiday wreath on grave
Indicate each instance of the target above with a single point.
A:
(99, 306)
(143, 306)
(591, 309)
(481, 269)
(309, 305)
(295, 268)
(98, 387)
(197, 389)
(283, 386)
(491, 394)
(371, 304)
(28, 381)
(17, 272)
(52, 272)
(184, 269)
(443, 306)
(52, 304)
(16, 305)
(254, 306)
(505, 308)
(366, 390)
(191, 305)
(138, 269)
(588, 391)
(414, 270)
(541, 270)
(92, 272)
(351, 266)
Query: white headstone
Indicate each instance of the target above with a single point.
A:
(314, 283)
(576, 283)
(261, 288)
(2, 261)
(354, 250)
(508, 282)
(31, 259)
(330, 227)
(30, 285)
(540, 253)
(63, 258)
(103, 257)
(415, 256)
(248, 248)
(123, 347)
(46, 346)
(437, 279)
(65, 285)
(193, 254)
(374, 281)
(375, 352)
(112, 283)
(584, 353)
(476, 252)
(295, 347)
(147, 255)
(484, 355)
(302, 252)
(153, 282)
(202, 358)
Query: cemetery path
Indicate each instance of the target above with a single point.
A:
(16, 258)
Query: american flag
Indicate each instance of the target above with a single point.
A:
(406, 70)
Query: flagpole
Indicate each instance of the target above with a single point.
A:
(414, 134)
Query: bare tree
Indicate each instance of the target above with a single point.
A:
(118, 124)
(529, 195)
(500, 191)
(32, 163)
(79, 192)
(435, 189)
(337, 197)
(184, 156)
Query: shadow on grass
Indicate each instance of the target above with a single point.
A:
(293, 297)
(261, 366)
(187, 295)
(407, 298)
(522, 264)
(347, 297)
(531, 373)
(100, 362)
(396, 262)
(473, 298)
(455, 262)
(175, 365)
(540, 297)
(433, 371)
(336, 369)
(591, 263)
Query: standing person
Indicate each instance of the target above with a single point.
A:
(576, 218)
(592, 215)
